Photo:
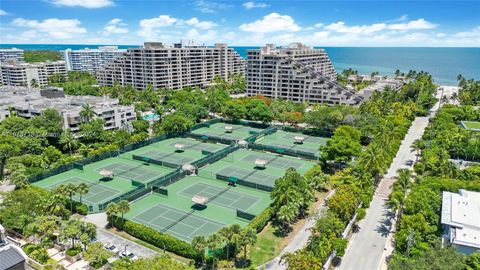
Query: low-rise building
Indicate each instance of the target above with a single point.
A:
(296, 72)
(11, 256)
(28, 103)
(461, 220)
(15, 73)
(91, 60)
(379, 86)
(11, 53)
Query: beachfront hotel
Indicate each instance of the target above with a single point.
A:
(91, 60)
(15, 73)
(11, 53)
(295, 72)
(174, 67)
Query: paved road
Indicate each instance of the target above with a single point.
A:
(299, 240)
(366, 248)
(369, 248)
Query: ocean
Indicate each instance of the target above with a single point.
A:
(443, 63)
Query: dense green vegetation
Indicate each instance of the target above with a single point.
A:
(419, 230)
(159, 262)
(469, 91)
(41, 56)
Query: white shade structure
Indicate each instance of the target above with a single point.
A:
(228, 129)
(261, 163)
(299, 139)
(179, 146)
(189, 168)
(106, 173)
(197, 199)
(243, 143)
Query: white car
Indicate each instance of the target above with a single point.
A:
(111, 248)
(128, 254)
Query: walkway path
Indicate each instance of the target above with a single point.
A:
(299, 240)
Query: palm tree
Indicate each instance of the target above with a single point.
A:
(68, 190)
(123, 207)
(33, 83)
(87, 112)
(248, 237)
(82, 188)
(287, 214)
(199, 243)
(373, 160)
(230, 235)
(68, 141)
(214, 242)
(56, 204)
(111, 211)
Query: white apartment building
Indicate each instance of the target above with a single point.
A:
(11, 53)
(14, 73)
(26, 102)
(461, 220)
(91, 60)
(172, 67)
(296, 72)
(379, 86)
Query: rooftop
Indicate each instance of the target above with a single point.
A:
(462, 211)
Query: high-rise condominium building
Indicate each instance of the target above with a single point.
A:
(14, 73)
(12, 53)
(296, 72)
(173, 67)
(91, 60)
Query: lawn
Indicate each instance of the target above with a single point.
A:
(471, 125)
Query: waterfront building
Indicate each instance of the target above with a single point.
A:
(11, 53)
(91, 60)
(460, 220)
(27, 102)
(173, 67)
(16, 73)
(296, 72)
(379, 86)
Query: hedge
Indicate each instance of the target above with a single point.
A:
(261, 220)
(158, 239)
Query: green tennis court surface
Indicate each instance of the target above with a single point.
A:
(471, 125)
(254, 177)
(274, 161)
(286, 139)
(238, 132)
(132, 172)
(222, 197)
(178, 223)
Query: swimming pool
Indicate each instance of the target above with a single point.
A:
(150, 117)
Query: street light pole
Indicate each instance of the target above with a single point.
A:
(125, 252)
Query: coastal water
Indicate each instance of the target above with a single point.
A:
(443, 63)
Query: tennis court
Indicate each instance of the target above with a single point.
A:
(227, 131)
(276, 161)
(181, 224)
(97, 193)
(286, 139)
(255, 177)
(471, 125)
(221, 196)
(132, 172)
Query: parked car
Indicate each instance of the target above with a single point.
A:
(111, 248)
(127, 254)
(409, 163)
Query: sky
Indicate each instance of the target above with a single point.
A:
(242, 23)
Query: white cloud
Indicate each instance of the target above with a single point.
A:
(115, 26)
(341, 27)
(197, 23)
(474, 33)
(318, 25)
(419, 24)
(83, 3)
(272, 22)
(210, 6)
(251, 4)
(3, 12)
(205, 37)
(55, 28)
(149, 27)
(402, 18)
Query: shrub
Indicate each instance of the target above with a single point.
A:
(80, 208)
(361, 213)
(261, 220)
(157, 239)
(73, 251)
(40, 255)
